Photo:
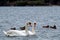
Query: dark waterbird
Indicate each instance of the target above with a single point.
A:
(13, 28)
(22, 28)
(53, 27)
(46, 26)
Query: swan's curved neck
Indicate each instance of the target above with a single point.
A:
(26, 28)
(33, 29)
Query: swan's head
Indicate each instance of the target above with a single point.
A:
(35, 24)
(29, 24)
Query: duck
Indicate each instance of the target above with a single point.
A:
(22, 28)
(46, 26)
(54, 27)
(13, 28)
(25, 32)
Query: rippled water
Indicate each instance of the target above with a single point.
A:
(18, 16)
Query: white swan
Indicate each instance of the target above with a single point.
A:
(25, 32)
(17, 32)
(33, 30)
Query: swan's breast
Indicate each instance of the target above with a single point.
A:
(31, 33)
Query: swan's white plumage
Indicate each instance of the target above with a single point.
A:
(31, 33)
(15, 33)
(18, 33)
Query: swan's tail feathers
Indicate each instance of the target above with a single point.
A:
(4, 32)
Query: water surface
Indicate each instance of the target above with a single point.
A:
(18, 16)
